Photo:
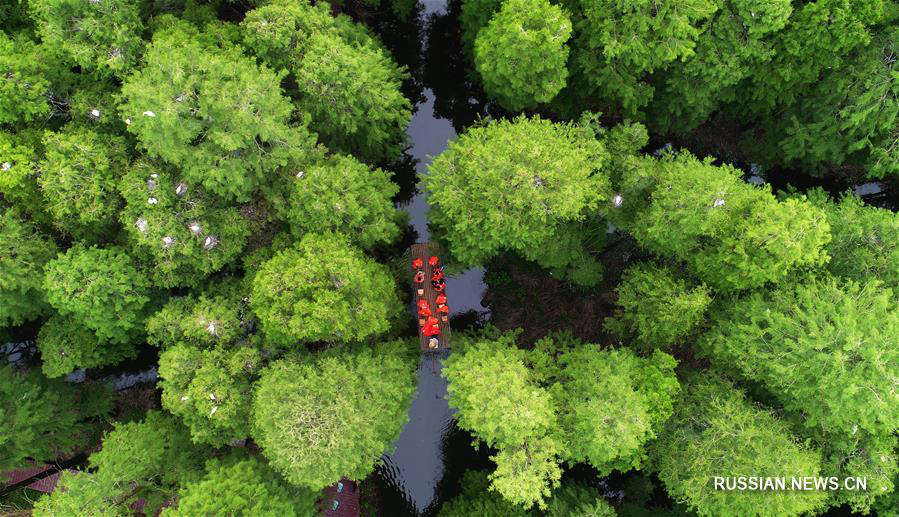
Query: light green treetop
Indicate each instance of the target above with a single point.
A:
(101, 289)
(212, 112)
(23, 254)
(320, 419)
(521, 185)
(522, 53)
(323, 289)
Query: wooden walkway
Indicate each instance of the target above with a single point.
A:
(423, 251)
(346, 496)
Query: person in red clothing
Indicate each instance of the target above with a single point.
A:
(441, 299)
(437, 274)
(417, 264)
(439, 285)
(443, 309)
(433, 261)
(420, 277)
(430, 330)
(423, 303)
(425, 311)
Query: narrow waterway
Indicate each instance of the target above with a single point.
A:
(416, 466)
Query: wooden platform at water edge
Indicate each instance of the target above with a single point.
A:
(424, 251)
(341, 499)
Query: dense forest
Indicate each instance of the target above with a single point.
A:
(684, 211)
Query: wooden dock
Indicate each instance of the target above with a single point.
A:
(423, 251)
(341, 499)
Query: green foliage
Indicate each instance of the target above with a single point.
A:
(563, 401)
(475, 499)
(185, 233)
(99, 36)
(78, 178)
(824, 348)
(865, 243)
(521, 54)
(611, 403)
(344, 78)
(320, 419)
(715, 431)
(521, 185)
(346, 196)
(323, 289)
(23, 254)
(577, 500)
(18, 183)
(211, 112)
(657, 307)
(852, 115)
(23, 87)
(101, 289)
(732, 234)
(620, 42)
(45, 420)
(474, 16)
(211, 390)
(67, 345)
(139, 460)
(242, 486)
(218, 317)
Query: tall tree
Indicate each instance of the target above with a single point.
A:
(344, 77)
(346, 196)
(820, 338)
(657, 306)
(147, 460)
(46, 420)
(182, 232)
(211, 112)
(23, 254)
(732, 234)
(521, 185)
(620, 43)
(101, 289)
(102, 37)
(715, 431)
(522, 53)
(323, 289)
(23, 88)
(78, 178)
(321, 418)
(242, 485)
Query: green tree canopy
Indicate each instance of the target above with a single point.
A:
(323, 289)
(821, 340)
(211, 112)
(23, 254)
(218, 316)
(45, 420)
(102, 37)
(865, 243)
(619, 43)
(24, 87)
(562, 401)
(242, 485)
(145, 460)
(715, 431)
(101, 289)
(346, 196)
(657, 306)
(67, 345)
(211, 390)
(522, 53)
(185, 233)
(78, 178)
(519, 185)
(732, 234)
(18, 180)
(344, 78)
(332, 416)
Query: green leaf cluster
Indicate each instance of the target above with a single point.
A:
(323, 289)
(23, 253)
(321, 418)
(522, 53)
